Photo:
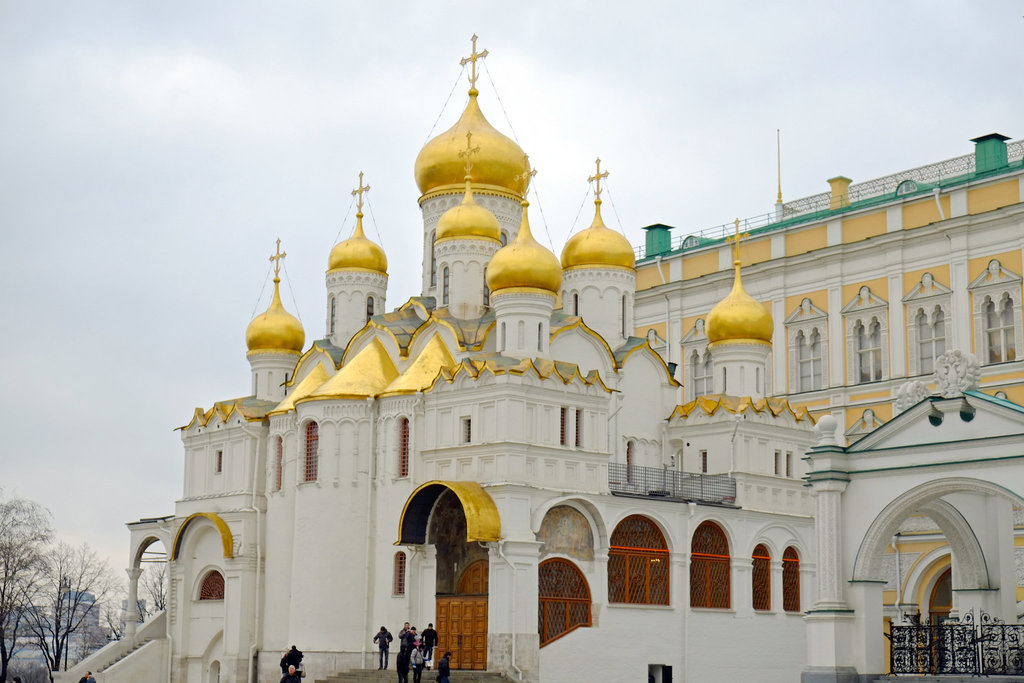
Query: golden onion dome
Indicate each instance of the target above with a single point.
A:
(524, 263)
(739, 317)
(498, 162)
(358, 252)
(468, 219)
(275, 329)
(598, 245)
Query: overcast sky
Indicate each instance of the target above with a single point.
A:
(150, 154)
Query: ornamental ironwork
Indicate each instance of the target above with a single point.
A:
(984, 647)
(761, 578)
(638, 563)
(564, 599)
(709, 568)
(661, 482)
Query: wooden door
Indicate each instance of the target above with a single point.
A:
(462, 620)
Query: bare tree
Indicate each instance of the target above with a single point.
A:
(153, 583)
(25, 532)
(66, 614)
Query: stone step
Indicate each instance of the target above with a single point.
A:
(948, 678)
(389, 675)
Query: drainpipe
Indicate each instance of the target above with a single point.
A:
(501, 554)
(259, 556)
(732, 444)
(899, 575)
(938, 204)
(371, 405)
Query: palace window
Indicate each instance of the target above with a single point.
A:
(212, 587)
(996, 297)
(369, 308)
(931, 339)
(928, 323)
(809, 361)
(279, 464)
(709, 567)
(807, 328)
(563, 597)
(398, 581)
(791, 580)
(638, 571)
(445, 286)
(867, 356)
(869, 351)
(700, 373)
(761, 578)
(312, 451)
(999, 332)
(697, 365)
(403, 447)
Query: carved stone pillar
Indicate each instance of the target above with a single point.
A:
(131, 610)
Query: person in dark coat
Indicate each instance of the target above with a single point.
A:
(402, 665)
(429, 641)
(292, 676)
(383, 640)
(294, 657)
(443, 670)
(417, 662)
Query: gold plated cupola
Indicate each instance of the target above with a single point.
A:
(358, 252)
(439, 165)
(739, 317)
(275, 329)
(598, 245)
(468, 219)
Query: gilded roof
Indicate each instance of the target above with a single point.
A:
(367, 374)
(712, 403)
(307, 385)
(422, 372)
(249, 408)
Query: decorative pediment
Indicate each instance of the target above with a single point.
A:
(867, 423)
(926, 288)
(697, 333)
(865, 300)
(994, 276)
(805, 312)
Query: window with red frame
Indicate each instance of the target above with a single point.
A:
(312, 451)
(709, 567)
(791, 580)
(398, 582)
(279, 465)
(761, 578)
(403, 447)
(212, 587)
(638, 571)
(564, 599)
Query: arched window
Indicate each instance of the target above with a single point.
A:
(540, 336)
(809, 360)
(761, 578)
(564, 599)
(334, 313)
(503, 238)
(398, 581)
(869, 351)
(575, 303)
(931, 338)
(312, 451)
(212, 587)
(279, 464)
(433, 261)
(999, 330)
(791, 580)
(629, 461)
(638, 571)
(369, 308)
(624, 317)
(487, 292)
(700, 374)
(504, 334)
(709, 567)
(444, 286)
(403, 447)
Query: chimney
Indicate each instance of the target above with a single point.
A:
(840, 192)
(658, 239)
(989, 152)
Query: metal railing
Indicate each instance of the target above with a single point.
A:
(682, 487)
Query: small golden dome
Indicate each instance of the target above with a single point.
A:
(499, 162)
(358, 252)
(598, 245)
(524, 263)
(275, 329)
(468, 219)
(739, 317)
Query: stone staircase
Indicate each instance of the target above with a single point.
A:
(429, 676)
(946, 678)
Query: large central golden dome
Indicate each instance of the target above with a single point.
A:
(524, 263)
(739, 317)
(497, 164)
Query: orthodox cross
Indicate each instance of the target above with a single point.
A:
(471, 60)
(359, 192)
(526, 176)
(469, 152)
(736, 239)
(276, 258)
(597, 188)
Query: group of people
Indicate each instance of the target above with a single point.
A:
(416, 652)
(291, 664)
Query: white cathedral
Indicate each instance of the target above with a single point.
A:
(502, 457)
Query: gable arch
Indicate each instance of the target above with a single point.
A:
(730, 534)
(663, 526)
(227, 541)
(777, 543)
(581, 505)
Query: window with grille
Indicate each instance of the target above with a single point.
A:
(219, 465)
(467, 430)
(312, 451)
(869, 351)
(579, 428)
(638, 571)
(999, 330)
(761, 578)
(445, 286)
(709, 567)
(279, 464)
(704, 462)
(791, 580)
(563, 597)
(398, 582)
(563, 434)
(212, 587)
(403, 447)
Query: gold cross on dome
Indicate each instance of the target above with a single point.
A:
(359, 191)
(736, 239)
(526, 176)
(597, 178)
(276, 258)
(469, 152)
(471, 60)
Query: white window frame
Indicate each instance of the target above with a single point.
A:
(806, 319)
(696, 341)
(994, 283)
(925, 296)
(865, 308)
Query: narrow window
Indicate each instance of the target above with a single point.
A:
(704, 462)
(255, 384)
(279, 464)
(575, 304)
(369, 308)
(757, 380)
(212, 587)
(219, 466)
(725, 386)
(999, 330)
(791, 580)
(638, 571)
(503, 238)
(540, 336)
(503, 337)
(334, 313)
(444, 286)
(579, 428)
(778, 463)
(624, 317)
(563, 435)
(789, 463)
(403, 447)
(761, 578)
(487, 293)
(629, 462)
(312, 451)
(433, 261)
(709, 567)
(398, 582)
(467, 430)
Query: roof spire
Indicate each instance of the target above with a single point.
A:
(276, 258)
(778, 158)
(736, 239)
(471, 60)
(597, 180)
(358, 194)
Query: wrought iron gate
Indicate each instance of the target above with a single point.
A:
(983, 647)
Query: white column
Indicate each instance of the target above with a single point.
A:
(897, 327)
(836, 338)
(961, 299)
(829, 529)
(776, 566)
(131, 610)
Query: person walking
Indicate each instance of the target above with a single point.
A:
(294, 658)
(443, 669)
(429, 642)
(383, 640)
(417, 661)
(292, 676)
(402, 665)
